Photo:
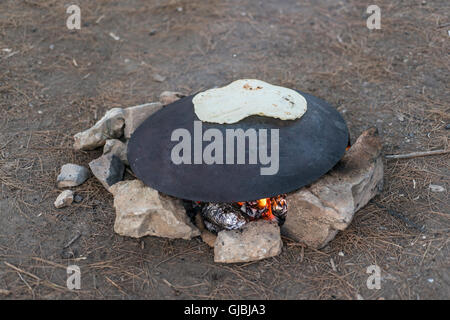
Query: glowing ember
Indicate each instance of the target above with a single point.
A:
(263, 202)
(273, 209)
(266, 204)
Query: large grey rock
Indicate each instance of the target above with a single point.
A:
(134, 116)
(72, 175)
(108, 169)
(167, 97)
(318, 212)
(257, 240)
(143, 211)
(108, 127)
(118, 148)
(64, 199)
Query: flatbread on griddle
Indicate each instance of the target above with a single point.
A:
(246, 97)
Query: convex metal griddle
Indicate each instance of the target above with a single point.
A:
(308, 148)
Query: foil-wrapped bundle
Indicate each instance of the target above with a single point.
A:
(219, 216)
(211, 227)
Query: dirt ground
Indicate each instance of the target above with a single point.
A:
(55, 82)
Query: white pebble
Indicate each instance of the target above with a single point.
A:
(64, 199)
(114, 36)
(436, 188)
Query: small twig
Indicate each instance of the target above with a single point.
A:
(184, 287)
(73, 240)
(10, 55)
(130, 172)
(176, 255)
(7, 142)
(416, 154)
(99, 19)
(116, 285)
(26, 283)
(35, 277)
(22, 271)
(400, 216)
(50, 263)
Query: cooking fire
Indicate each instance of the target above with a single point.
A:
(230, 216)
(309, 148)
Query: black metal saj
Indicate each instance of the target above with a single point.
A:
(307, 148)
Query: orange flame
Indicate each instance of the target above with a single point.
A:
(262, 203)
(349, 144)
(266, 203)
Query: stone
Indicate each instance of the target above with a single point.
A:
(134, 116)
(72, 175)
(118, 148)
(400, 117)
(168, 97)
(316, 213)
(69, 253)
(436, 188)
(108, 127)
(142, 211)
(208, 237)
(64, 199)
(257, 240)
(4, 292)
(158, 78)
(78, 198)
(108, 169)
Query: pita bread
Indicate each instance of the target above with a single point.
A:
(246, 97)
